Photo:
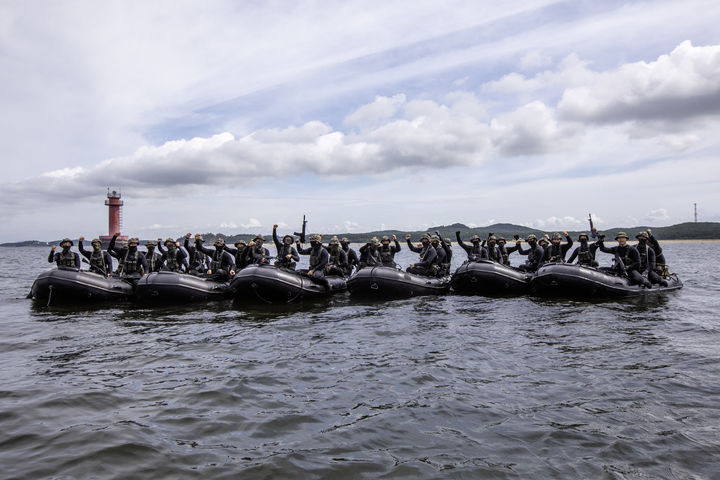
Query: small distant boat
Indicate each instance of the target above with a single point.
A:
(488, 277)
(572, 280)
(173, 287)
(388, 282)
(270, 284)
(63, 285)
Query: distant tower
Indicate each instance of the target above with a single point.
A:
(695, 204)
(114, 217)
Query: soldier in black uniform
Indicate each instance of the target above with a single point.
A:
(585, 253)
(505, 251)
(257, 254)
(534, 253)
(99, 260)
(221, 262)
(287, 256)
(387, 251)
(66, 258)
(132, 262)
(491, 251)
(153, 258)
(337, 261)
(240, 254)
(197, 260)
(627, 259)
(428, 257)
(648, 260)
(173, 259)
(370, 254)
(353, 260)
(556, 251)
(474, 251)
(319, 258)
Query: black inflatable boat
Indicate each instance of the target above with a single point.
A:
(66, 285)
(270, 284)
(388, 282)
(487, 277)
(172, 287)
(572, 280)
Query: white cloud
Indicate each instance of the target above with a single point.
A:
(677, 86)
(381, 109)
(531, 129)
(228, 225)
(557, 223)
(252, 223)
(533, 60)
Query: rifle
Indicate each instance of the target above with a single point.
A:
(302, 234)
(592, 227)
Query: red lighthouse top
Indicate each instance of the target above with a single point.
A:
(114, 203)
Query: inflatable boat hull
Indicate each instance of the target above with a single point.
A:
(172, 287)
(270, 284)
(486, 277)
(388, 282)
(71, 285)
(571, 280)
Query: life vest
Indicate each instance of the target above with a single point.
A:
(315, 257)
(495, 255)
(153, 258)
(130, 263)
(97, 262)
(585, 256)
(240, 262)
(171, 261)
(372, 258)
(643, 258)
(67, 259)
(532, 257)
(216, 261)
(282, 260)
(556, 253)
(387, 256)
(198, 260)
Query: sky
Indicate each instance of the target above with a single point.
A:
(231, 116)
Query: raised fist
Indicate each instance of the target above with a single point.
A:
(81, 239)
(407, 236)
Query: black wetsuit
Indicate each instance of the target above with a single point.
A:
(535, 255)
(660, 264)
(428, 260)
(99, 260)
(240, 256)
(585, 254)
(65, 258)
(337, 261)
(154, 260)
(555, 252)
(132, 261)
(258, 255)
(352, 256)
(197, 260)
(221, 262)
(319, 258)
(492, 252)
(369, 256)
(474, 251)
(173, 260)
(387, 254)
(283, 251)
(627, 261)
(648, 263)
(442, 264)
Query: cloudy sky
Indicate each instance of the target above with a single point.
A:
(227, 116)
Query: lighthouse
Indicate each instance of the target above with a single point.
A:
(114, 203)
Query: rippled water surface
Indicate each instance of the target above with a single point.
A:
(449, 387)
